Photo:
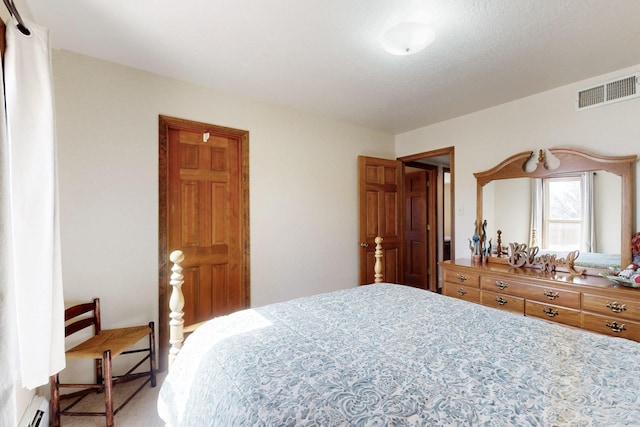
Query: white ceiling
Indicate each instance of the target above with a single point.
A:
(324, 56)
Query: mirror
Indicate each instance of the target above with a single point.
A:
(506, 200)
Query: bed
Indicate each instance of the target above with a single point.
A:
(388, 354)
(600, 261)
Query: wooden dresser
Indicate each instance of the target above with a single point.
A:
(588, 302)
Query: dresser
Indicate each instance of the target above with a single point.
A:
(588, 302)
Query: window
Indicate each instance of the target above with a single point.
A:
(564, 219)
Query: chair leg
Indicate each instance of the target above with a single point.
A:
(99, 374)
(152, 354)
(55, 400)
(108, 387)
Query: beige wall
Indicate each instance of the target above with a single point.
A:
(545, 120)
(302, 186)
(302, 169)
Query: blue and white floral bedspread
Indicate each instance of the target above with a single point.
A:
(390, 355)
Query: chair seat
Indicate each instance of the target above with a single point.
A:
(116, 340)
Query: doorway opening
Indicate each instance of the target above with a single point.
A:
(429, 230)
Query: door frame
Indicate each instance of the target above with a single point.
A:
(164, 269)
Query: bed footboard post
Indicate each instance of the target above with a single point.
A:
(377, 268)
(176, 304)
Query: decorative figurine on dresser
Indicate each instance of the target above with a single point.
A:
(480, 248)
(570, 274)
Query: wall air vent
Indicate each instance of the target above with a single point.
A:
(608, 92)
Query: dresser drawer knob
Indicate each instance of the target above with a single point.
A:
(615, 326)
(461, 292)
(551, 295)
(550, 312)
(501, 284)
(461, 278)
(501, 301)
(616, 307)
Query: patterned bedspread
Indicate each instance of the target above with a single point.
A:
(382, 355)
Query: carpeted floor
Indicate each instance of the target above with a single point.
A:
(139, 412)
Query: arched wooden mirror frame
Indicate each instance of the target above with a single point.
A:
(571, 160)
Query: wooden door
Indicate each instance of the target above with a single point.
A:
(380, 214)
(415, 229)
(420, 228)
(204, 212)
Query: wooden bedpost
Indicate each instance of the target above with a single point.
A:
(377, 268)
(176, 304)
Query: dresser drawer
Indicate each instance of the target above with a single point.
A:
(461, 277)
(463, 292)
(549, 295)
(552, 312)
(504, 286)
(618, 307)
(502, 301)
(544, 294)
(610, 325)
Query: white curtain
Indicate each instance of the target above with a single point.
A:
(589, 237)
(535, 237)
(32, 276)
(8, 343)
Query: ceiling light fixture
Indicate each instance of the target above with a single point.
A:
(407, 38)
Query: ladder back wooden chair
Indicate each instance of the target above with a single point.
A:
(102, 347)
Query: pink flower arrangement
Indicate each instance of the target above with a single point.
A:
(635, 248)
(632, 271)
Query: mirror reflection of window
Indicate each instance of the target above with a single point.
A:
(515, 206)
(564, 218)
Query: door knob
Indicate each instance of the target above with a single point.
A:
(364, 245)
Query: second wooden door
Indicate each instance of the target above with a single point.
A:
(206, 208)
